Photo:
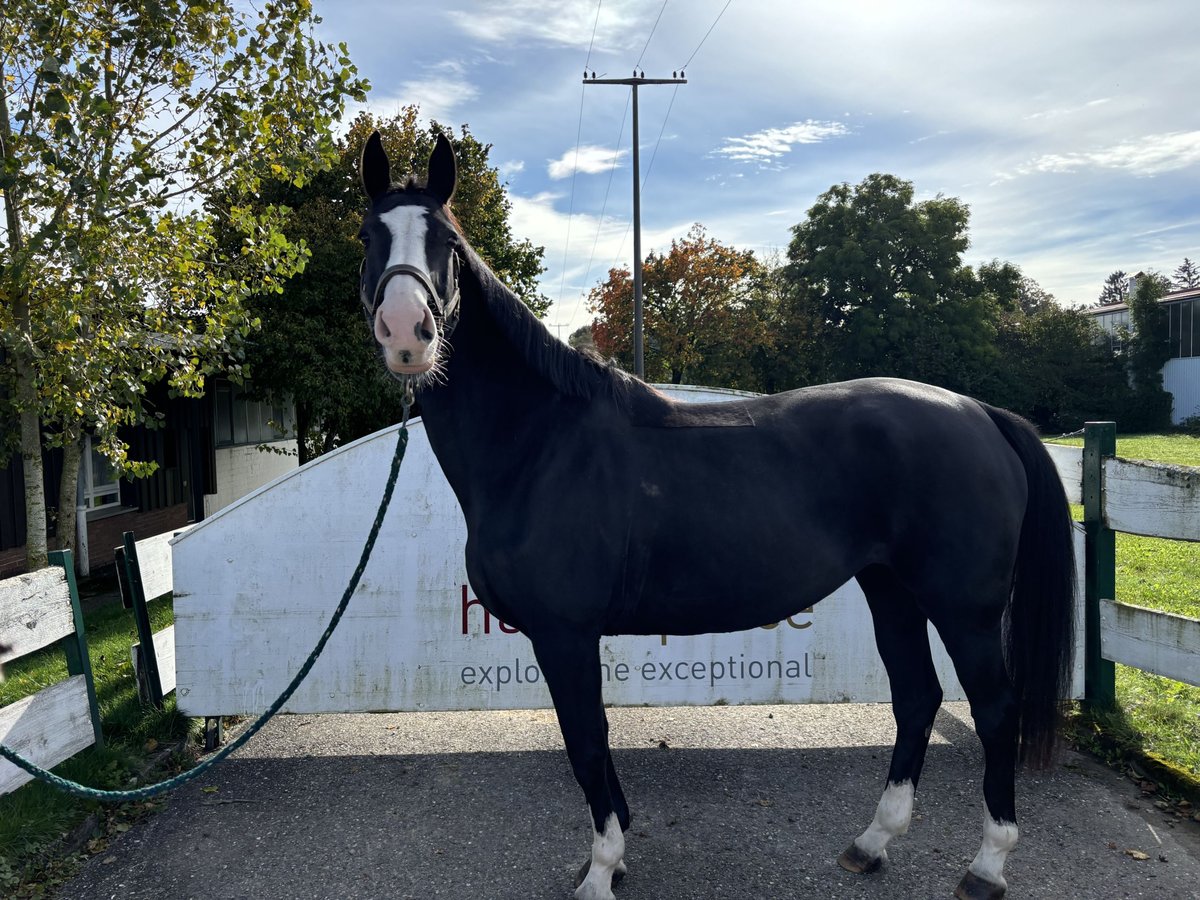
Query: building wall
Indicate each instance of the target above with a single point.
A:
(244, 468)
(1181, 377)
(104, 536)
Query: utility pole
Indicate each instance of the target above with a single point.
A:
(639, 361)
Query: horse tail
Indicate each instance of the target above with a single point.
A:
(1039, 637)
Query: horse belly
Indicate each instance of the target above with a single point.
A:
(734, 576)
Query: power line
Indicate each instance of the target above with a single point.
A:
(604, 206)
(706, 34)
(593, 40)
(575, 165)
(653, 28)
(650, 167)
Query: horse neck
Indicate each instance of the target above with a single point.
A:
(490, 397)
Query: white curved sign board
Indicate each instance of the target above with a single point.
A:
(255, 586)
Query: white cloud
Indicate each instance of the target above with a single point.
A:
(511, 167)
(438, 94)
(575, 268)
(771, 143)
(565, 23)
(1151, 155)
(590, 160)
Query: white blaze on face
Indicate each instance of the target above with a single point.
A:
(404, 324)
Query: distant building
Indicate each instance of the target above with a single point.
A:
(210, 452)
(1181, 374)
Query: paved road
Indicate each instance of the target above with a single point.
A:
(745, 802)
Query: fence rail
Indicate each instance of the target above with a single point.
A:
(1131, 497)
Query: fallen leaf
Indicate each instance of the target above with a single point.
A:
(151, 745)
(1136, 854)
(209, 790)
(108, 860)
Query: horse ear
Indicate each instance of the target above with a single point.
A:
(443, 173)
(374, 168)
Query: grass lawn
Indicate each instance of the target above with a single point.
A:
(34, 818)
(1160, 715)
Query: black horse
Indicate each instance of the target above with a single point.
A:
(595, 505)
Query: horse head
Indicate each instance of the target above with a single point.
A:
(409, 279)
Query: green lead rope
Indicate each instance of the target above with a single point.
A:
(151, 790)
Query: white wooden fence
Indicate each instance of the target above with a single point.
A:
(37, 610)
(1133, 497)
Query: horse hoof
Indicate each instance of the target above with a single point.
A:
(853, 859)
(618, 872)
(972, 887)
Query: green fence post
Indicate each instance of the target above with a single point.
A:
(75, 645)
(1099, 680)
(141, 617)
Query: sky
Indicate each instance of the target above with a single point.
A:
(1070, 129)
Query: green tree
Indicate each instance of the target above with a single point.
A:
(703, 313)
(1187, 275)
(112, 116)
(1011, 289)
(1148, 351)
(878, 282)
(1115, 290)
(314, 346)
(1054, 368)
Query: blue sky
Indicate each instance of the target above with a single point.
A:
(1071, 129)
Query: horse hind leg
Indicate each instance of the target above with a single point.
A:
(571, 666)
(978, 658)
(902, 638)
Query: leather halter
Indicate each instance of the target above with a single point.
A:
(445, 309)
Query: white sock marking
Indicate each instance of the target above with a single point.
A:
(608, 851)
(999, 838)
(891, 818)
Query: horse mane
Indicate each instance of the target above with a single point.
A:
(572, 372)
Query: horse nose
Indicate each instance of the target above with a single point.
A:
(392, 322)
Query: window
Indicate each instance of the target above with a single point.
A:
(1116, 326)
(1195, 351)
(1184, 329)
(239, 420)
(101, 486)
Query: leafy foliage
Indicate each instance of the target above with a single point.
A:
(112, 117)
(880, 282)
(1187, 275)
(705, 313)
(1115, 290)
(1055, 370)
(1147, 354)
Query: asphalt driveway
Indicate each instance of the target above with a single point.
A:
(728, 802)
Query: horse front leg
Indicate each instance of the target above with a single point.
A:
(571, 666)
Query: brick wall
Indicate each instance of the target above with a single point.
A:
(105, 534)
(12, 562)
